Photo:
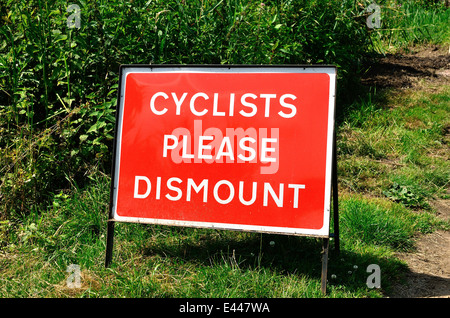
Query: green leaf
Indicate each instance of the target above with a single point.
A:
(83, 137)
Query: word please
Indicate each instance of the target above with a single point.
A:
(199, 104)
(143, 188)
(225, 149)
(230, 145)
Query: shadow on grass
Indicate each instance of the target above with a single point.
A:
(282, 254)
(417, 285)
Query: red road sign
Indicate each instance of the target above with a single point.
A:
(228, 147)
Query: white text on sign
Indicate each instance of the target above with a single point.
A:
(161, 103)
(213, 145)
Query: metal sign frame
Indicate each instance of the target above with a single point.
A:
(331, 191)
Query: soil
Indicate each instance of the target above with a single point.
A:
(428, 274)
(409, 69)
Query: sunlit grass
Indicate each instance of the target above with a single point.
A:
(409, 23)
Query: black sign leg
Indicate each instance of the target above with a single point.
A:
(324, 265)
(109, 243)
(335, 197)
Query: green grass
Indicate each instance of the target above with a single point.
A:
(380, 223)
(382, 144)
(409, 23)
(162, 261)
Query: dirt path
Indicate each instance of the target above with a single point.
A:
(431, 64)
(429, 264)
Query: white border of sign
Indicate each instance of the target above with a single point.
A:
(128, 69)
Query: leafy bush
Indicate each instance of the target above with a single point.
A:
(59, 84)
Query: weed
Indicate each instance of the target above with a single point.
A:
(405, 196)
